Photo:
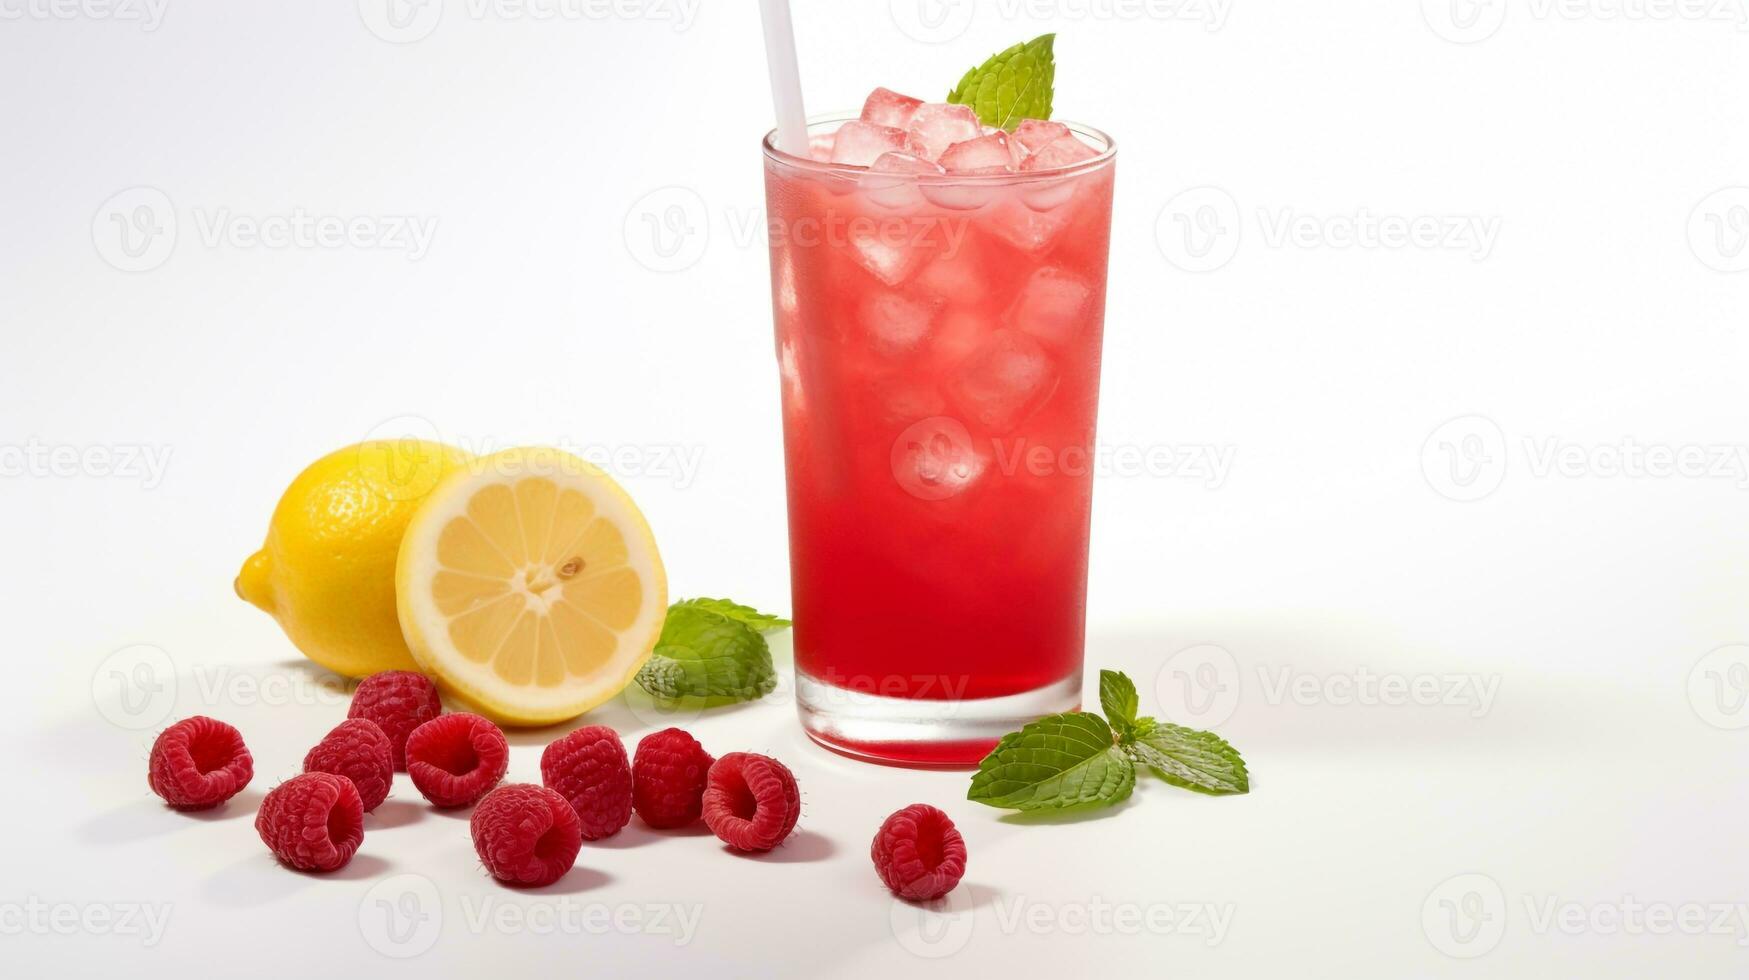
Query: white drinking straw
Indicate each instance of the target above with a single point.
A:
(786, 79)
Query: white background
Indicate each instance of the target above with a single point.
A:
(1574, 543)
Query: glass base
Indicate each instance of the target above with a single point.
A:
(917, 732)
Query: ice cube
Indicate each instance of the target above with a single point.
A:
(820, 146)
(792, 377)
(1004, 381)
(956, 277)
(895, 324)
(935, 126)
(904, 163)
(885, 107)
(984, 154)
(787, 301)
(962, 196)
(905, 400)
(890, 260)
(890, 181)
(1026, 228)
(1035, 133)
(860, 144)
(1052, 305)
(1044, 195)
(957, 334)
(1064, 151)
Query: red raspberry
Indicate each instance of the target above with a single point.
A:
(398, 701)
(918, 853)
(750, 801)
(526, 834)
(668, 777)
(358, 750)
(312, 822)
(199, 763)
(588, 767)
(454, 759)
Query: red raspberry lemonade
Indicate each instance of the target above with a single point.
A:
(939, 294)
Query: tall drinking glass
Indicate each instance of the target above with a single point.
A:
(938, 338)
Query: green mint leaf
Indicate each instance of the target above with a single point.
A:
(705, 654)
(1192, 759)
(1013, 85)
(1117, 698)
(763, 622)
(1061, 762)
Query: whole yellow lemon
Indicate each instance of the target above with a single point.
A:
(327, 570)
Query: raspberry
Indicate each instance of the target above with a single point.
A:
(668, 777)
(358, 750)
(454, 759)
(918, 853)
(312, 822)
(588, 767)
(199, 763)
(526, 834)
(750, 801)
(398, 701)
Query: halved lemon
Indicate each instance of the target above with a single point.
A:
(529, 586)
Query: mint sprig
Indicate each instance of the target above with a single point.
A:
(1191, 759)
(1012, 85)
(763, 622)
(1117, 698)
(1078, 760)
(1058, 763)
(713, 649)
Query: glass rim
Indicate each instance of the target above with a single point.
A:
(844, 170)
